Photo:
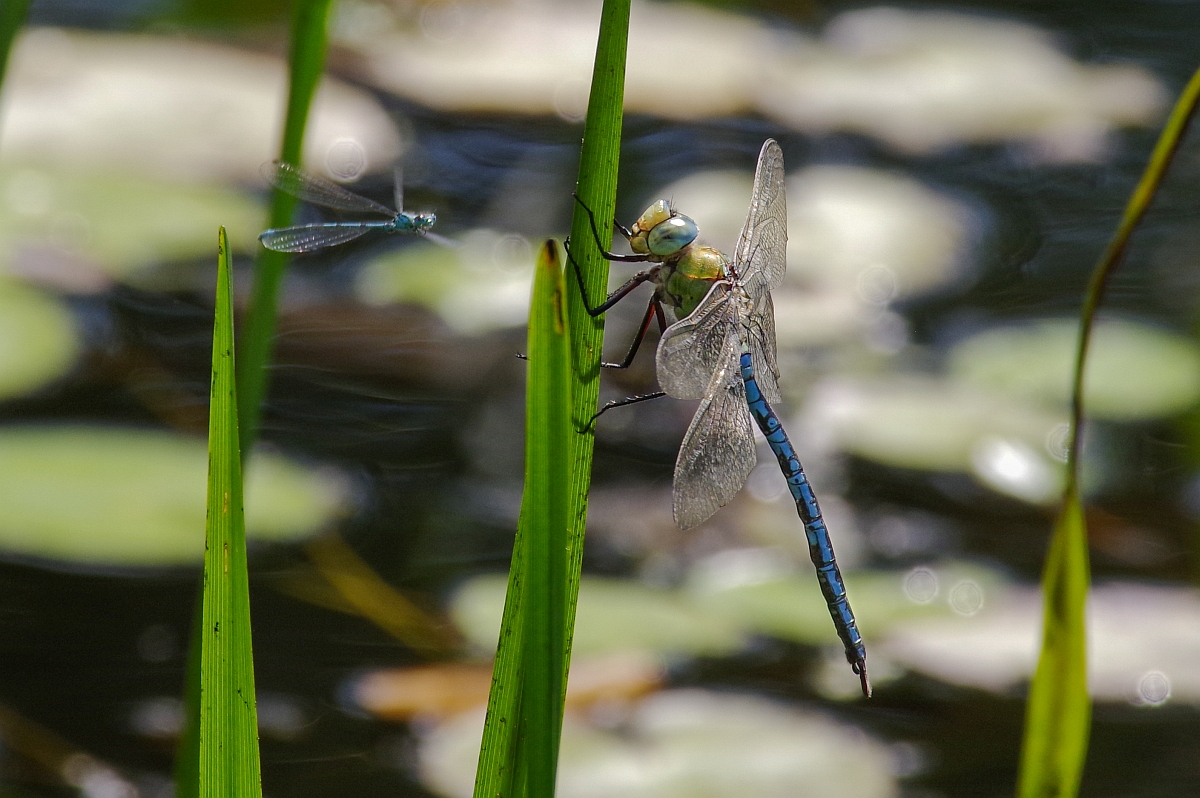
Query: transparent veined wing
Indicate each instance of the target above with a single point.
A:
(398, 188)
(319, 191)
(761, 254)
(718, 451)
(311, 237)
(692, 348)
(441, 240)
(758, 330)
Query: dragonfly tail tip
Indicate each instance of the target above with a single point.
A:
(860, 668)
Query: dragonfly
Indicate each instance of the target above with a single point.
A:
(721, 350)
(319, 191)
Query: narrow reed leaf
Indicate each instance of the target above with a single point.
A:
(1058, 712)
(12, 17)
(505, 757)
(548, 436)
(309, 22)
(597, 188)
(228, 762)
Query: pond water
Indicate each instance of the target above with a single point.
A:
(939, 248)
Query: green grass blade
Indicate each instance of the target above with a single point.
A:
(228, 739)
(597, 187)
(548, 435)
(309, 22)
(219, 750)
(503, 761)
(12, 16)
(187, 752)
(1058, 713)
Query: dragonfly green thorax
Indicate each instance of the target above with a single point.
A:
(687, 270)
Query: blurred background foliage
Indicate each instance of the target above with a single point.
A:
(954, 171)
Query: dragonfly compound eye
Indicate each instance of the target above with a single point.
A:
(672, 235)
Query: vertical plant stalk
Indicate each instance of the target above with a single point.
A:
(503, 759)
(12, 17)
(599, 159)
(310, 19)
(228, 719)
(1058, 713)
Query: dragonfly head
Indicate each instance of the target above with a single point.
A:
(661, 231)
(424, 221)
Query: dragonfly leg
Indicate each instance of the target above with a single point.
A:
(628, 400)
(632, 258)
(641, 335)
(652, 310)
(662, 317)
(613, 298)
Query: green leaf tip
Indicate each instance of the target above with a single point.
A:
(226, 725)
(1058, 712)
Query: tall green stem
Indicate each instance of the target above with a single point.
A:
(1058, 713)
(309, 22)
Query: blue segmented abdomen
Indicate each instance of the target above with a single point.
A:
(820, 548)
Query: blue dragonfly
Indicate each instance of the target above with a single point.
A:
(722, 352)
(319, 191)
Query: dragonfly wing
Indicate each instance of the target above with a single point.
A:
(718, 450)
(761, 254)
(319, 191)
(310, 237)
(693, 348)
(759, 332)
(441, 240)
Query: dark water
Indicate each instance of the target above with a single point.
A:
(424, 422)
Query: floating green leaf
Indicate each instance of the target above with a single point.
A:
(38, 339)
(68, 222)
(1134, 371)
(621, 615)
(110, 496)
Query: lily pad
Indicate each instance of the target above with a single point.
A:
(686, 744)
(939, 425)
(857, 234)
(613, 615)
(790, 605)
(112, 223)
(133, 497)
(873, 234)
(919, 81)
(922, 80)
(170, 107)
(1134, 371)
(1143, 642)
(38, 340)
(480, 286)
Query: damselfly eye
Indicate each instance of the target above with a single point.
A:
(672, 235)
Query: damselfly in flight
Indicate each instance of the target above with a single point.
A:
(319, 191)
(722, 351)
